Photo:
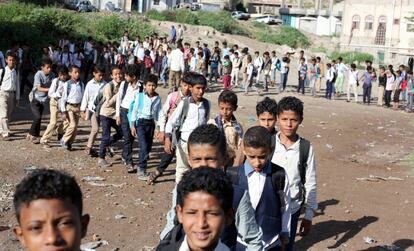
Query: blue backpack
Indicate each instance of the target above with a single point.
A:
(141, 95)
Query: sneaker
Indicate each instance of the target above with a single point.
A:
(35, 140)
(143, 175)
(103, 163)
(44, 144)
(130, 168)
(91, 152)
(6, 137)
(65, 146)
(110, 152)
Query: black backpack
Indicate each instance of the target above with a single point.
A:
(100, 99)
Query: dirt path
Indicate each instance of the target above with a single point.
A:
(351, 141)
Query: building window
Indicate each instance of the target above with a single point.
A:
(396, 21)
(356, 19)
(381, 31)
(369, 21)
(410, 27)
(156, 2)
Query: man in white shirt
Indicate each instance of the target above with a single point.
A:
(177, 66)
(258, 65)
(236, 64)
(9, 93)
(292, 151)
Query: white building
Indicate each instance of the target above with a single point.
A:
(379, 27)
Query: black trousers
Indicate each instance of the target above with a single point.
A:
(37, 110)
(388, 98)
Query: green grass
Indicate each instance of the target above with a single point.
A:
(286, 35)
(352, 57)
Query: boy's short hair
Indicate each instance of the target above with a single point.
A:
(257, 137)
(73, 67)
(47, 184)
(209, 180)
(115, 67)
(10, 54)
(353, 66)
(196, 79)
(132, 70)
(98, 68)
(152, 78)
(228, 96)
(290, 104)
(45, 62)
(62, 69)
(208, 134)
(267, 105)
(329, 65)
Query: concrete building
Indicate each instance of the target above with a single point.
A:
(379, 27)
(137, 5)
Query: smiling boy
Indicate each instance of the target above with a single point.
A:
(48, 207)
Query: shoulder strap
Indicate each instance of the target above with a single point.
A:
(124, 90)
(174, 98)
(3, 71)
(304, 147)
(184, 112)
(206, 106)
(278, 178)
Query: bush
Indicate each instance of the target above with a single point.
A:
(287, 35)
(352, 57)
(156, 15)
(186, 17)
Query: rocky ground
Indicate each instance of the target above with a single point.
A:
(364, 165)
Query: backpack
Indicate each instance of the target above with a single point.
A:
(278, 65)
(125, 88)
(100, 99)
(174, 101)
(176, 135)
(304, 147)
(148, 62)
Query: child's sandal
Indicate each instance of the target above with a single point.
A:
(153, 177)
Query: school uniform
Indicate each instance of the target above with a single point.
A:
(70, 102)
(65, 59)
(249, 80)
(236, 63)
(233, 131)
(196, 116)
(367, 87)
(77, 59)
(170, 104)
(9, 92)
(87, 105)
(288, 158)
(339, 83)
(271, 204)
(389, 87)
(313, 76)
(382, 82)
(258, 63)
(54, 93)
(330, 75)
(40, 98)
(125, 97)
(107, 117)
(284, 71)
(353, 79)
(303, 69)
(144, 115)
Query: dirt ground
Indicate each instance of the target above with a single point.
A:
(351, 141)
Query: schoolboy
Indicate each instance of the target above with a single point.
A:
(70, 106)
(410, 91)
(193, 112)
(42, 81)
(171, 103)
(266, 111)
(48, 207)
(55, 93)
(107, 116)
(87, 107)
(339, 83)
(330, 75)
(291, 152)
(127, 93)
(248, 81)
(9, 94)
(228, 124)
(236, 64)
(207, 193)
(144, 113)
(207, 148)
(226, 68)
(303, 69)
(268, 187)
(382, 82)
(367, 86)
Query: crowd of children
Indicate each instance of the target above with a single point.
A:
(266, 177)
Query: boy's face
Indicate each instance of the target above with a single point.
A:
(267, 120)
(203, 220)
(257, 157)
(226, 110)
(116, 75)
(150, 88)
(197, 92)
(74, 74)
(63, 76)
(10, 62)
(46, 69)
(289, 122)
(185, 88)
(129, 78)
(51, 224)
(204, 155)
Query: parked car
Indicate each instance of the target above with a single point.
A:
(86, 6)
(269, 19)
(72, 5)
(240, 15)
(183, 6)
(110, 6)
(195, 6)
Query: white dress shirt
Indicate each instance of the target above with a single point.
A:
(128, 97)
(176, 60)
(220, 246)
(10, 82)
(56, 88)
(91, 91)
(288, 158)
(74, 96)
(256, 182)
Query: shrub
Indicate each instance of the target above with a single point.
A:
(186, 17)
(156, 15)
(352, 57)
(221, 21)
(287, 35)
